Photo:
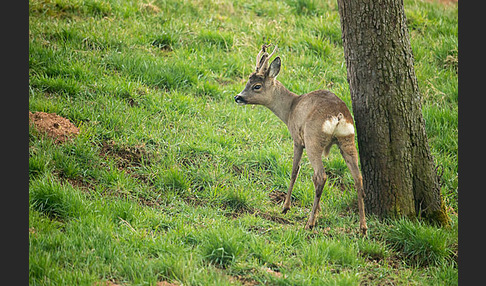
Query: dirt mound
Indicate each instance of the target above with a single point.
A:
(54, 126)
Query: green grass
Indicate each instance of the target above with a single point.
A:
(170, 180)
(421, 244)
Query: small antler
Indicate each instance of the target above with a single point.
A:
(258, 59)
(260, 55)
(266, 60)
(263, 55)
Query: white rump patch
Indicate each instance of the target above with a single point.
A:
(337, 126)
(330, 125)
(344, 128)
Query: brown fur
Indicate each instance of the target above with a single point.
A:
(306, 116)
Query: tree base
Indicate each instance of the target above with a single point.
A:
(440, 216)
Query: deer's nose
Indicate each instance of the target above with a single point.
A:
(239, 99)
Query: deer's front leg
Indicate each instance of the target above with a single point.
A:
(298, 149)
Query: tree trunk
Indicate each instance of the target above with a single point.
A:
(399, 174)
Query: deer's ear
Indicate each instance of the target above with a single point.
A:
(274, 68)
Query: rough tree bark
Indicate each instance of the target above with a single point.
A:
(399, 174)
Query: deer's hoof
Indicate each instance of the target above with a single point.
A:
(363, 230)
(285, 210)
(308, 227)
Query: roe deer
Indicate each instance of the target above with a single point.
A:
(315, 120)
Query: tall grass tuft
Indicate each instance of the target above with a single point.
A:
(222, 246)
(173, 180)
(324, 251)
(238, 200)
(55, 200)
(419, 243)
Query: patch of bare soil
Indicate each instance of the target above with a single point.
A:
(149, 7)
(277, 197)
(54, 126)
(373, 277)
(129, 159)
(83, 184)
(274, 218)
(126, 156)
(272, 272)
(165, 283)
(245, 281)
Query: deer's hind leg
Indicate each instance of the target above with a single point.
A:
(319, 179)
(350, 155)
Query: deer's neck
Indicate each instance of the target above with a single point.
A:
(282, 103)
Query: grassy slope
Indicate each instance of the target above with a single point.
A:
(169, 180)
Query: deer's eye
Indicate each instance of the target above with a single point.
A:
(257, 86)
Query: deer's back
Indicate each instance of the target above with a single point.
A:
(321, 113)
(319, 105)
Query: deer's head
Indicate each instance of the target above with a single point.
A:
(261, 84)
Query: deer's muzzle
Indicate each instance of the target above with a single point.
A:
(239, 99)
